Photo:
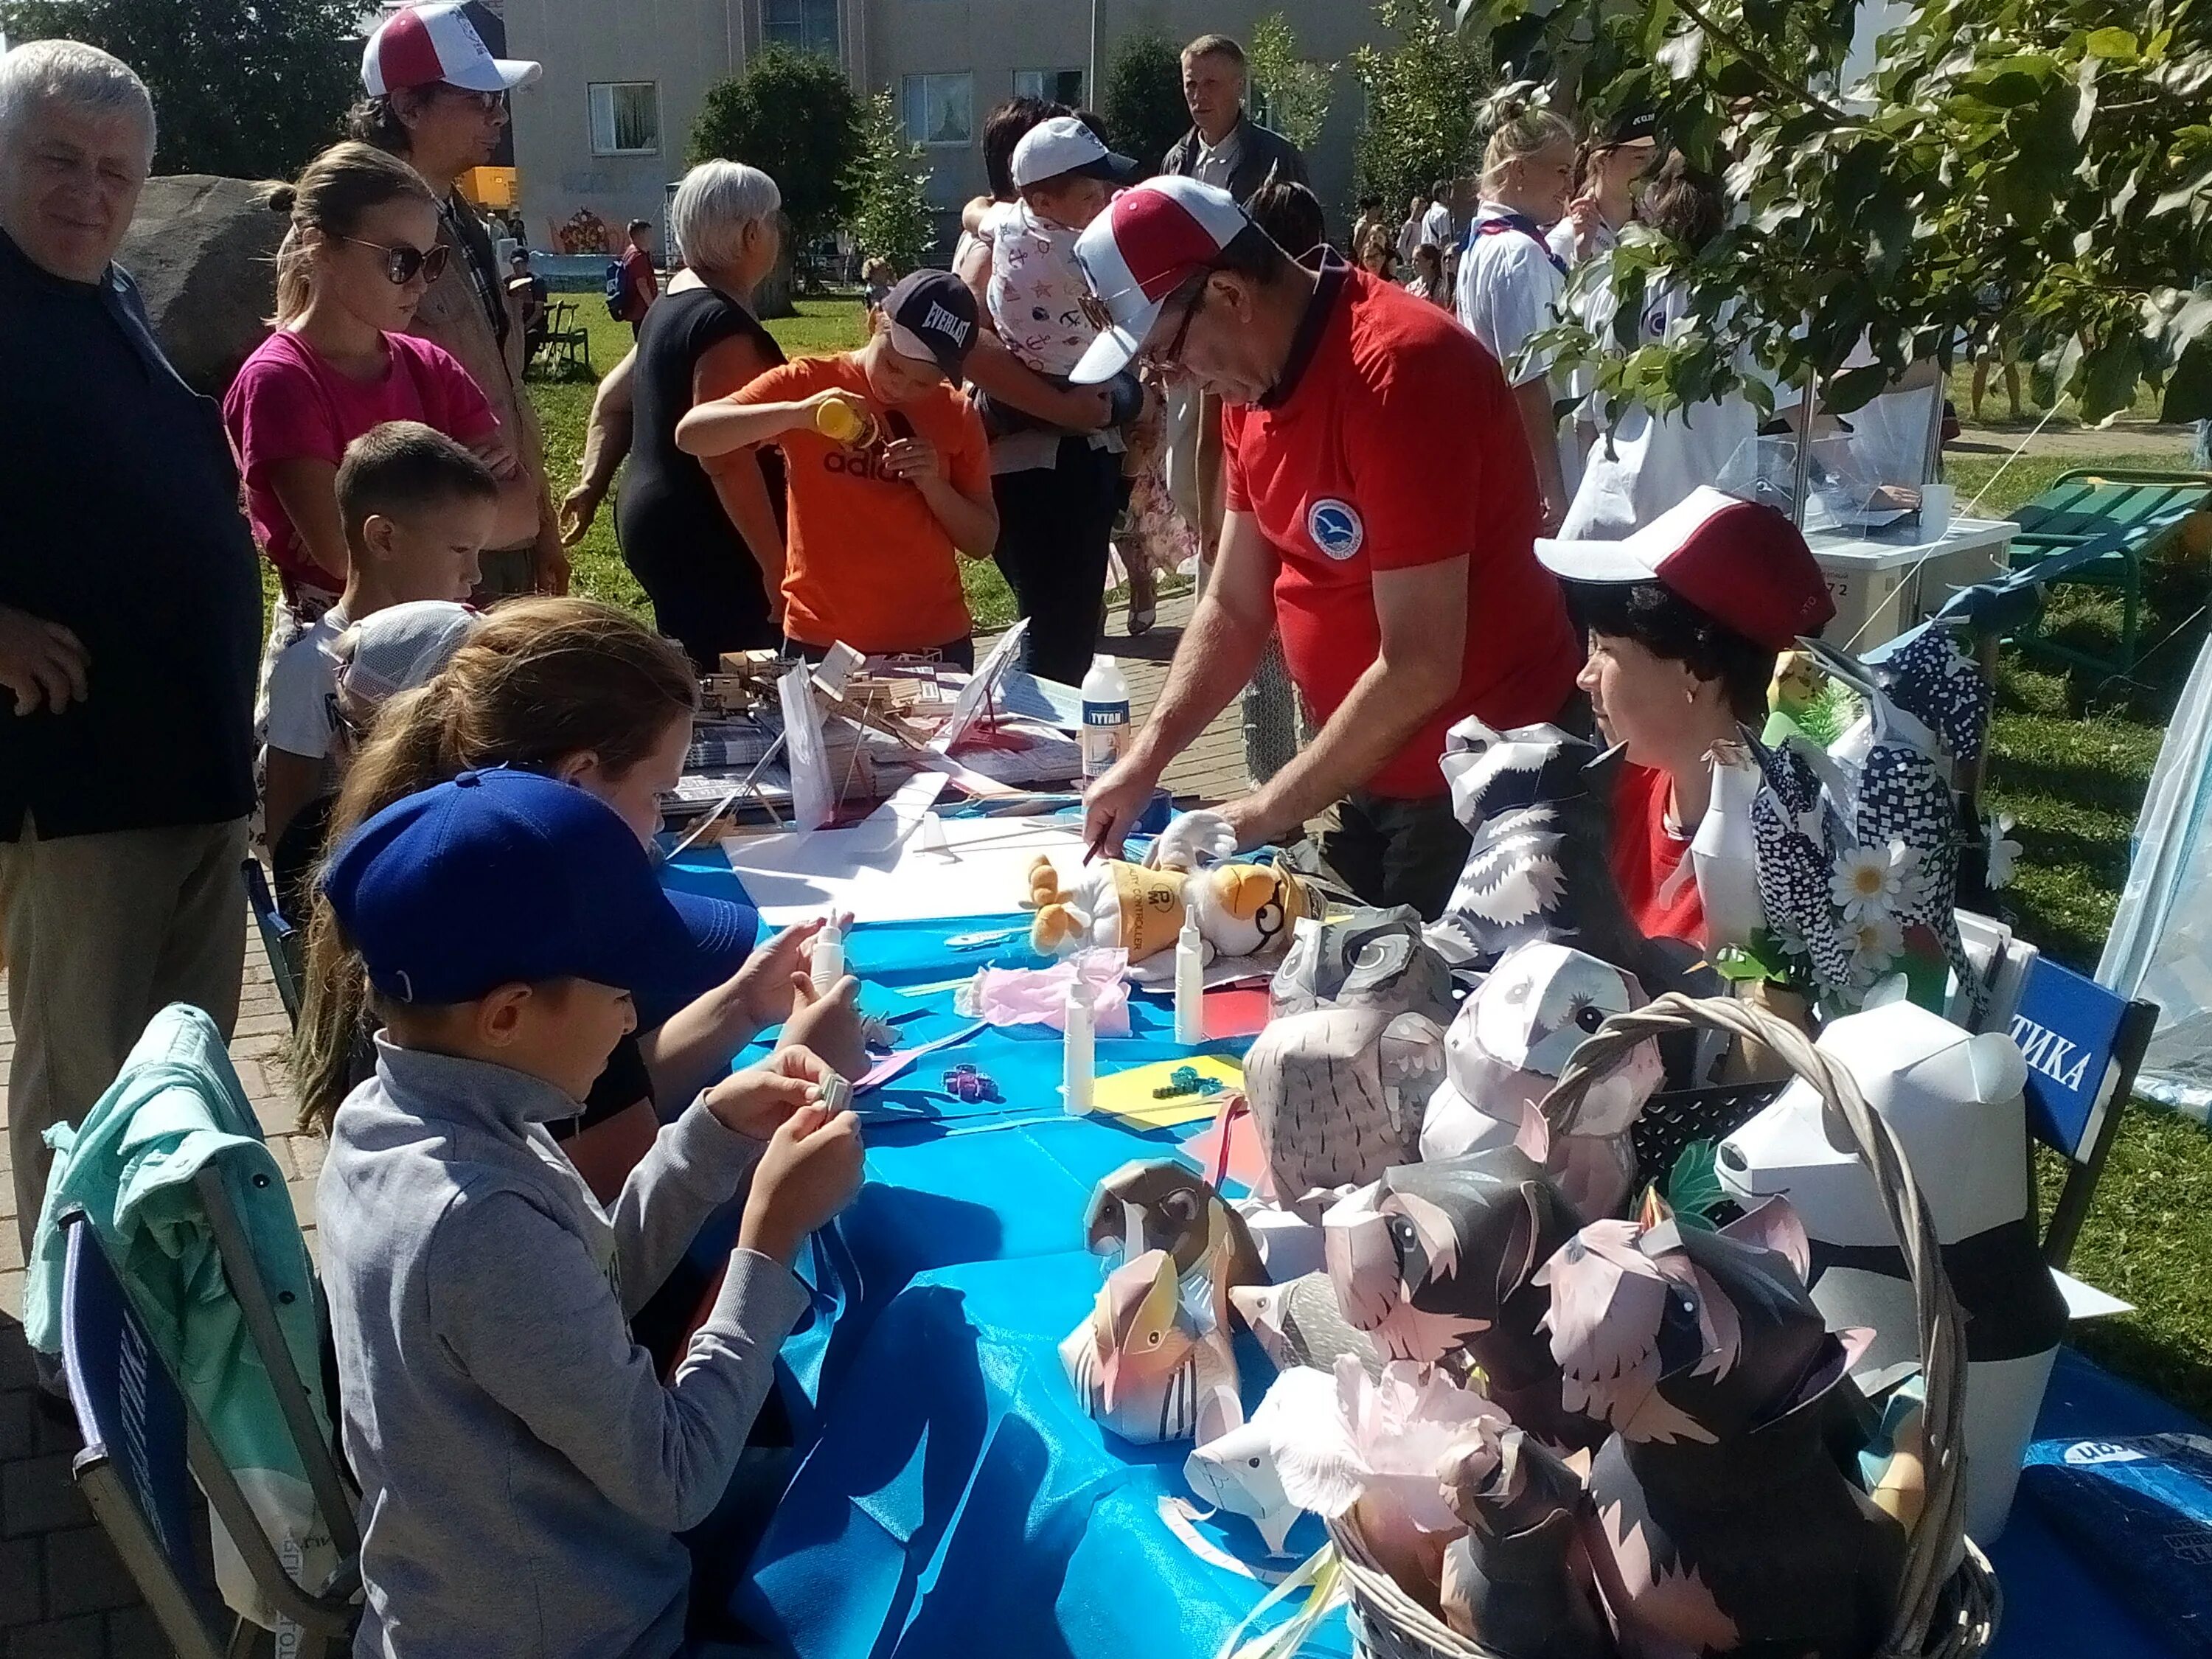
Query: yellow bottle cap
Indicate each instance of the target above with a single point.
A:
(837, 421)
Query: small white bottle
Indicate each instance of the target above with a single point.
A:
(828, 965)
(1105, 717)
(1189, 983)
(1079, 1053)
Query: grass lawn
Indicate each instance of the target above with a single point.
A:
(2071, 759)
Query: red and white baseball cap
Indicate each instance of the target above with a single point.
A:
(1154, 238)
(1744, 565)
(420, 46)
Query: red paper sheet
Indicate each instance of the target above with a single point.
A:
(1235, 1013)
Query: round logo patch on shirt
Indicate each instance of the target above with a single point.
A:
(1335, 527)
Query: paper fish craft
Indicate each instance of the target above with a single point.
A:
(1954, 1100)
(1299, 1324)
(1519, 1581)
(1436, 1263)
(1507, 1048)
(1242, 910)
(1337, 1096)
(1364, 958)
(1705, 1354)
(1539, 804)
(1141, 1365)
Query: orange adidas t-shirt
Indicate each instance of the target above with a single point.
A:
(866, 561)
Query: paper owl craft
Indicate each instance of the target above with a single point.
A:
(1506, 1049)
(1337, 1096)
(1437, 1262)
(1142, 1367)
(1242, 910)
(1364, 958)
(1707, 1357)
(1518, 1582)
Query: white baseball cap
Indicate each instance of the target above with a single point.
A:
(1152, 237)
(1062, 145)
(421, 45)
(399, 648)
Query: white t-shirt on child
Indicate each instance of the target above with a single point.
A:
(303, 690)
(1037, 290)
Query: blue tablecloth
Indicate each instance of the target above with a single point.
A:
(953, 1500)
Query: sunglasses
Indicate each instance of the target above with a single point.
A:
(402, 263)
(1171, 358)
(487, 103)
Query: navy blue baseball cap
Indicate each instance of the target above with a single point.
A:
(504, 877)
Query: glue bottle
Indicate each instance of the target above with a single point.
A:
(829, 960)
(1189, 983)
(1079, 1054)
(1105, 717)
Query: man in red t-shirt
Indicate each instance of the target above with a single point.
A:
(1382, 515)
(641, 286)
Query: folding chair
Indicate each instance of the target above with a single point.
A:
(2083, 1044)
(567, 342)
(280, 940)
(2123, 516)
(145, 1444)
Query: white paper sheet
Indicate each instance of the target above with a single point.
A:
(970, 701)
(813, 802)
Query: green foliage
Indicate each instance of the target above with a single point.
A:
(1423, 96)
(1291, 92)
(890, 213)
(2020, 155)
(792, 115)
(246, 93)
(1143, 103)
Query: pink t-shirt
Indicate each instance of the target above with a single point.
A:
(288, 404)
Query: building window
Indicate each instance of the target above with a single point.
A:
(804, 25)
(625, 117)
(1053, 86)
(939, 109)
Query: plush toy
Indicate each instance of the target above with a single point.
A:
(1142, 1365)
(1337, 1096)
(1299, 1324)
(1539, 804)
(1363, 959)
(1242, 910)
(1437, 1262)
(1508, 1047)
(1519, 1581)
(1954, 1100)
(1707, 1357)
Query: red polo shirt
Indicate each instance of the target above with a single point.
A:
(1392, 441)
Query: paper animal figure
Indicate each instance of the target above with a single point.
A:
(1508, 1045)
(1708, 1357)
(1539, 804)
(1157, 1204)
(1299, 1324)
(1140, 1365)
(1436, 1263)
(1519, 1581)
(1235, 1471)
(1954, 1100)
(1242, 910)
(1364, 958)
(1337, 1096)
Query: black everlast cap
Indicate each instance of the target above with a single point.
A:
(1633, 126)
(932, 319)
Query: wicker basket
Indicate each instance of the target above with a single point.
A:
(1948, 1600)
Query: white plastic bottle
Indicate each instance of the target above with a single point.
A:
(1079, 1053)
(1105, 717)
(1189, 983)
(828, 963)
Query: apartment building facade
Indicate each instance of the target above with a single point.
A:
(607, 126)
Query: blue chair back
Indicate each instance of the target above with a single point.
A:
(2083, 1043)
(135, 1469)
(280, 940)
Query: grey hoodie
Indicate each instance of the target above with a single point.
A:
(523, 1469)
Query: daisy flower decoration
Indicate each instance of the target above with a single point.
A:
(1875, 942)
(2004, 851)
(1875, 881)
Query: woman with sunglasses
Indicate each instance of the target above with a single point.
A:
(362, 247)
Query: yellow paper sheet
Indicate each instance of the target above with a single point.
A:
(1128, 1095)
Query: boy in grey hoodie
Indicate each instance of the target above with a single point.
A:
(524, 1471)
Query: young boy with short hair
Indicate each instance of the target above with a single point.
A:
(417, 508)
(524, 1472)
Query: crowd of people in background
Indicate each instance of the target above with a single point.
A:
(1362, 454)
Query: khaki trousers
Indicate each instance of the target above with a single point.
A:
(102, 932)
